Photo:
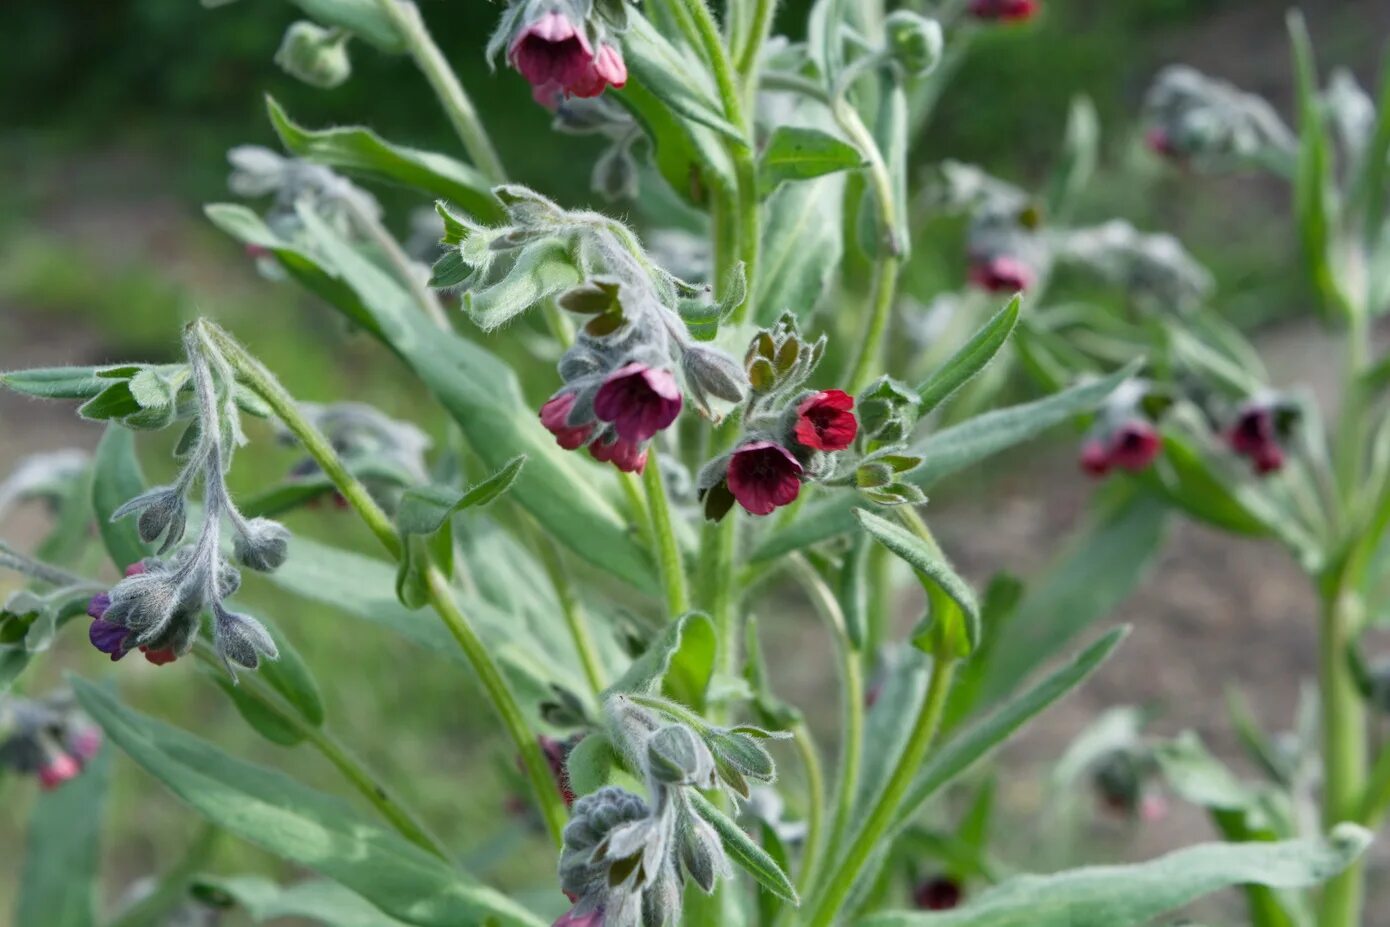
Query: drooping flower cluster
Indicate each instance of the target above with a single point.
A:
(1192, 117)
(1124, 436)
(1259, 428)
(1155, 270)
(791, 434)
(47, 738)
(157, 608)
(564, 48)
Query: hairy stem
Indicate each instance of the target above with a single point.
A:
(668, 552)
(752, 46)
(405, 16)
(404, 268)
(255, 375)
(885, 809)
(815, 805)
(1344, 750)
(867, 355)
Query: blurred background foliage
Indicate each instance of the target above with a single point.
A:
(113, 131)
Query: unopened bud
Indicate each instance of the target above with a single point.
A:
(315, 55)
(914, 41)
(263, 546)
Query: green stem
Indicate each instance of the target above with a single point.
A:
(881, 817)
(636, 507)
(867, 356)
(171, 890)
(255, 375)
(1377, 800)
(1344, 750)
(815, 805)
(572, 609)
(547, 792)
(405, 16)
(668, 552)
(405, 269)
(352, 769)
(747, 58)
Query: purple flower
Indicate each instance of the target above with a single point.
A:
(108, 637)
(638, 400)
(555, 57)
(763, 476)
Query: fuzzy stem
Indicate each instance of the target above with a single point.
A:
(255, 375)
(815, 805)
(405, 16)
(867, 355)
(371, 787)
(668, 552)
(881, 817)
(636, 507)
(11, 559)
(747, 59)
(404, 267)
(1344, 751)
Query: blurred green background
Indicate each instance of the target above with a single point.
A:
(114, 124)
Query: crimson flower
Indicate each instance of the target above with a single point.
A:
(762, 476)
(555, 57)
(1004, 10)
(553, 416)
(824, 421)
(1134, 445)
(638, 400)
(625, 455)
(940, 893)
(1255, 435)
(1001, 274)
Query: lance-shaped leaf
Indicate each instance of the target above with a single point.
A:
(801, 153)
(674, 77)
(972, 357)
(677, 664)
(301, 825)
(116, 479)
(323, 902)
(955, 619)
(752, 858)
(359, 150)
(1124, 896)
(61, 867)
(424, 509)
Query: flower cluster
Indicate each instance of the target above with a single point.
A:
(1192, 117)
(564, 48)
(157, 607)
(1124, 436)
(1124, 784)
(791, 434)
(1155, 270)
(1006, 251)
(47, 738)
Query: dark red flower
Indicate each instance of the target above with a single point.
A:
(86, 744)
(553, 416)
(1134, 445)
(638, 400)
(1255, 434)
(556, 752)
(159, 657)
(1095, 457)
(625, 455)
(939, 893)
(1001, 274)
(1004, 10)
(824, 421)
(762, 476)
(1161, 143)
(555, 56)
(572, 919)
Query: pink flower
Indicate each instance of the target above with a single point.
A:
(571, 919)
(638, 400)
(625, 455)
(824, 421)
(86, 744)
(1001, 274)
(1161, 143)
(1004, 10)
(1095, 457)
(763, 476)
(59, 768)
(553, 416)
(555, 56)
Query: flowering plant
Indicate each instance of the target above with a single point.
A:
(666, 431)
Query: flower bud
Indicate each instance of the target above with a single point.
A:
(263, 546)
(241, 640)
(887, 411)
(940, 893)
(315, 55)
(677, 756)
(615, 176)
(914, 41)
(162, 514)
(57, 768)
(710, 372)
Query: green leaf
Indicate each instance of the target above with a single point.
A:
(801, 249)
(949, 623)
(116, 479)
(1080, 152)
(263, 717)
(678, 664)
(1123, 896)
(324, 902)
(1190, 482)
(1099, 567)
(889, 724)
(973, 743)
(423, 510)
(1370, 187)
(301, 825)
(972, 357)
(543, 269)
(674, 77)
(59, 382)
(801, 153)
(742, 850)
(290, 676)
(690, 157)
(59, 887)
(478, 390)
(359, 150)
(589, 764)
(363, 18)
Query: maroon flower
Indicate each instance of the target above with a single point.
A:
(763, 476)
(1161, 143)
(1004, 10)
(1134, 445)
(553, 417)
(824, 421)
(555, 56)
(572, 919)
(1001, 274)
(638, 400)
(107, 636)
(939, 893)
(625, 455)
(1255, 434)
(57, 768)
(556, 752)
(1095, 457)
